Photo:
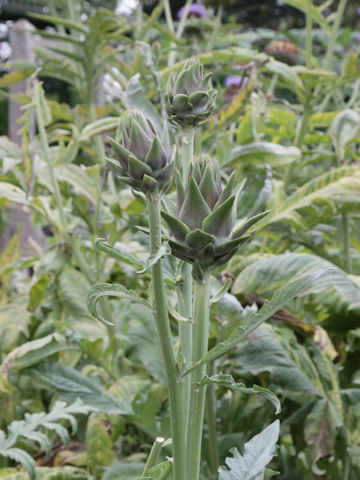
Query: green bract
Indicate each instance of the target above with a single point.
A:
(144, 160)
(204, 227)
(189, 96)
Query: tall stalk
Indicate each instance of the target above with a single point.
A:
(185, 287)
(308, 33)
(197, 395)
(174, 383)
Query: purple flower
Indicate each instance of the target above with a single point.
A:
(195, 9)
(358, 11)
(233, 81)
(358, 37)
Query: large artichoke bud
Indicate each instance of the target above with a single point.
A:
(189, 96)
(144, 159)
(204, 228)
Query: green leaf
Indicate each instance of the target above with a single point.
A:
(257, 454)
(12, 193)
(288, 363)
(41, 105)
(266, 152)
(344, 129)
(228, 382)
(124, 470)
(46, 473)
(162, 251)
(30, 353)
(98, 442)
(119, 252)
(316, 14)
(266, 275)
(254, 320)
(14, 321)
(320, 432)
(114, 290)
(71, 384)
(339, 187)
(221, 292)
(101, 126)
(71, 25)
(162, 471)
(22, 457)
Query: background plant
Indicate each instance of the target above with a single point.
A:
(313, 222)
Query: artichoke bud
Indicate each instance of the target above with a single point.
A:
(144, 160)
(189, 97)
(204, 230)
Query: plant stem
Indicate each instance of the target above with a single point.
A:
(210, 406)
(346, 242)
(179, 32)
(197, 395)
(299, 140)
(308, 33)
(216, 27)
(186, 286)
(334, 33)
(175, 385)
(168, 16)
(153, 455)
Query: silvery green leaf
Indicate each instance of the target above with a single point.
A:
(118, 252)
(163, 251)
(258, 452)
(227, 381)
(343, 129)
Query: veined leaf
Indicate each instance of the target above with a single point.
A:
(71, 384)
(268, 274)
(257, 454)
(254, 320)
(268, 152)
(340, 186)
(124, 470)
(228, 382)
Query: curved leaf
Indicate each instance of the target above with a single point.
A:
(113, 290)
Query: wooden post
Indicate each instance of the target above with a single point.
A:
(21, 43)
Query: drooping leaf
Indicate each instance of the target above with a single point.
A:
(228, 382)
(107, 289)
(266, 152)
(269, 274)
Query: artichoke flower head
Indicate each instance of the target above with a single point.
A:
(204, 229)
(189, 97)
(143, 158)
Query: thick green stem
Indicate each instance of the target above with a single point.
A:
(346, 242)
(174, 383)
(197, 395)
(185, 287)
(308, 33)
(210, 407)
(299, 140)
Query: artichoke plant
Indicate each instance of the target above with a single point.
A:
(204, 228)
(144, 159)
(189, 97)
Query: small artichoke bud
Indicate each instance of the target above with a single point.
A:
(145, 161)
(189, 97)
(204, 229)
